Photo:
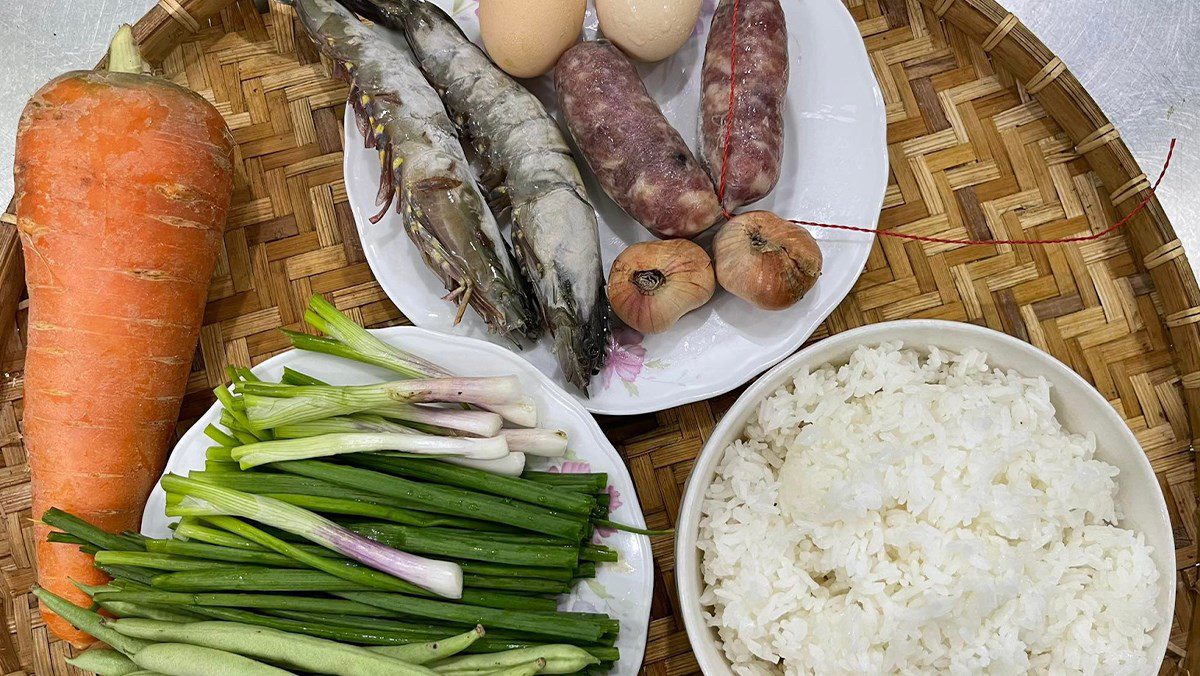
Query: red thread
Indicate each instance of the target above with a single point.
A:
(900, 235)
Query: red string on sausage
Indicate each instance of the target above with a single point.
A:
(728, 142)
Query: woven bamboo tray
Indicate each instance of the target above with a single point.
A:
(989, 137)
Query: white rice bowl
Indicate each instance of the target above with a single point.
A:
(919, 511)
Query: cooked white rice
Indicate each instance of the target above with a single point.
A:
(910, 513)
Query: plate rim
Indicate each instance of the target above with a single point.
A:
(552, 389)
(687, 524)
(755, 363)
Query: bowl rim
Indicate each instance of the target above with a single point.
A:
(701, 637)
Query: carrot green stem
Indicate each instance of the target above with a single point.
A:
(123, 54)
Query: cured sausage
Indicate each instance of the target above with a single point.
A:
(637, 156)
(756, 143)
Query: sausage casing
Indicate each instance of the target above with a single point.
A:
(756, 143)
(637, 156)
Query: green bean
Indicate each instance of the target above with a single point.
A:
(484, 482)
(526, 669)
(585, 569)
(309, 604)
(424, 653)
(89, 622)
(182, 659)
(83, 530)
(464, 545)
(455, 500)
(306, 653)
(123, 609)
(201, 550)
(103, 662)
(559, 659)
(373, 637)
(534, 623)
(155, 560)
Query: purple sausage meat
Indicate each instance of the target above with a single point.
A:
(638, 157)
(756, 145)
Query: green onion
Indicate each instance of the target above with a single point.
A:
(271, 405)
(534, 441)
(252, 455)
(354, 342)
(438, 576)
(478, 423)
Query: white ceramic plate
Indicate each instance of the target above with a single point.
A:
(834, 169)
(1080, 408)
(621, 589)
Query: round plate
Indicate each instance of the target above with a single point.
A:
(1078, 406)
(621, 589)
(834, 170)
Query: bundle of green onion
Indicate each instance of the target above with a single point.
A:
(392, 514)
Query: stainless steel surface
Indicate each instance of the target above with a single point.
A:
(1140, 59)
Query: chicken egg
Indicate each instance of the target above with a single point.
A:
(526, 37)
(648, 30)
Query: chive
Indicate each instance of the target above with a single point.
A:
(217, 435)
(294, 377)
(605, 523)
(73, 525)
(534, 623)
(586, 482)
(226, 398)
(201, 550)
(481, 568)
(456, 500)
(253, 578)
(444, 542)
(517, 584)
(155, 560)
(483, 482)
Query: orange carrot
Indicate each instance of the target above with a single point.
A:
(123, 182)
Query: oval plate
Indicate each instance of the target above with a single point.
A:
(621, 589)
(834, 170)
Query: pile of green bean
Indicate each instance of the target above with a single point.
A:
(183, 645)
